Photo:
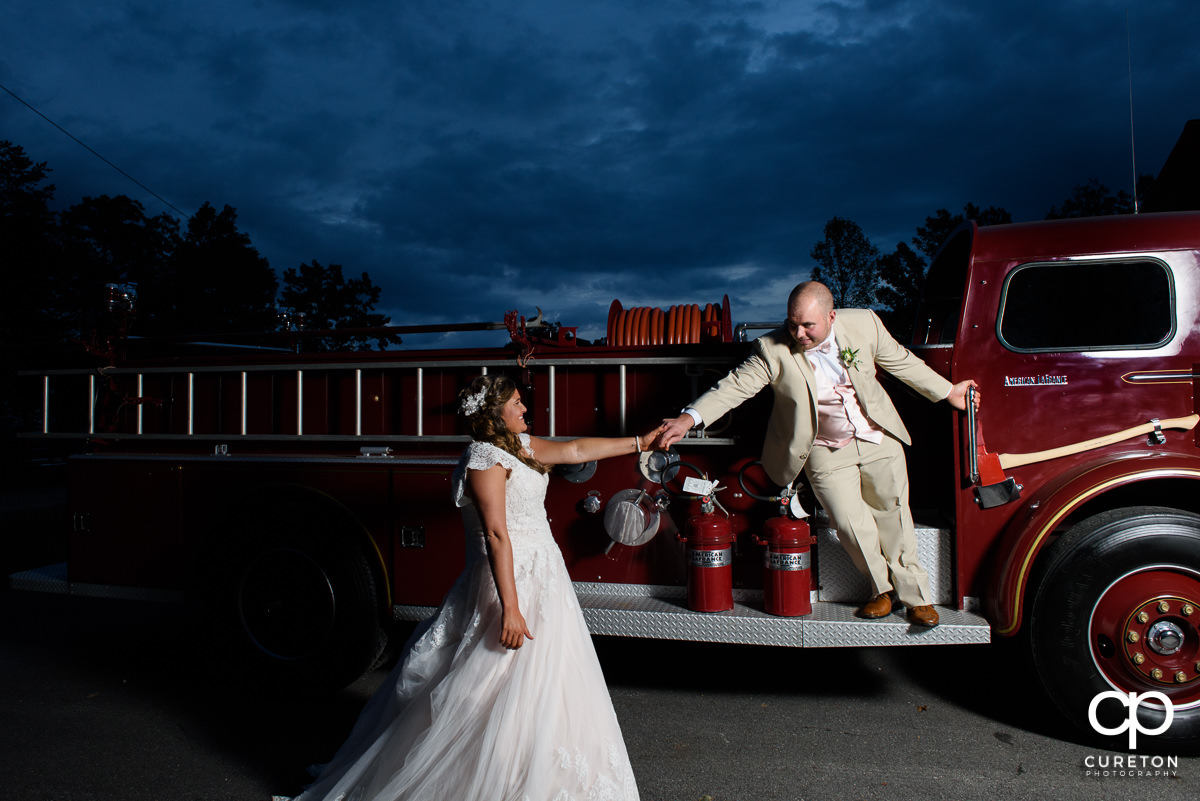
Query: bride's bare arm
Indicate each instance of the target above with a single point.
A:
(586, 449)
(487, 491)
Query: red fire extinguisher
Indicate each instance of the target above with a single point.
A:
(787, 583)
(709, 560)
(709, 553)
(786, 575)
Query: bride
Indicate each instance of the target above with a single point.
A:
(499, 695)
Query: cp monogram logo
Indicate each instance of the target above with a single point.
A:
(1131, 700)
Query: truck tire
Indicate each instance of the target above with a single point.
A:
(299, 599)
(1118, 600)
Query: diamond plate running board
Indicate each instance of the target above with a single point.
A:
(635, 610)
(52, 579)
(662, 613)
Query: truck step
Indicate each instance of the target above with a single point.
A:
(53, 579)
(628, 610)
(838, 580)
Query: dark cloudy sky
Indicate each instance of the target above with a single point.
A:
(476, 156)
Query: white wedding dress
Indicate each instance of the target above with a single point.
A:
(463, 719)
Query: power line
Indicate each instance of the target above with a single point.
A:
(94, 153)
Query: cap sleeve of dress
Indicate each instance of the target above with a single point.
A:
(477, 456)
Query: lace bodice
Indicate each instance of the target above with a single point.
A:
(524, 498)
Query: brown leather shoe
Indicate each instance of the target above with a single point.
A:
(879, 606)
(923, 616)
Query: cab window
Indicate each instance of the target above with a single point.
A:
(1087, 305)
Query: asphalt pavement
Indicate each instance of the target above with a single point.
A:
(103, 699)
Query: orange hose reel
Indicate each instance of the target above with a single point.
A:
(639, 326)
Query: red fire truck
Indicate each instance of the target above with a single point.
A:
(303, 498)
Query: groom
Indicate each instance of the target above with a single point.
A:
(833, 420)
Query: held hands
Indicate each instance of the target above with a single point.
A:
(513, 630)
(670, 432)
(958, 395)
(651, 440)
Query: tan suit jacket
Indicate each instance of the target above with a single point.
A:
(777, 361)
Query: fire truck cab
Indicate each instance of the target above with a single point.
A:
(303, 499)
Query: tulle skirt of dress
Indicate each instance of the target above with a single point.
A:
(463, 719)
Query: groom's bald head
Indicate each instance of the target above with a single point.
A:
(814, 290)
(810, 314)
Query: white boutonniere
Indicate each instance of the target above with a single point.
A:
(849, 357)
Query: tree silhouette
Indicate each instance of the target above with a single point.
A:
(327, 301)
(1092, 199)
(110, 240)
(937, 228)
(902, 272)
(902, 278)
(24, 194)
(28, 326)
(218, 282)
(847, 263)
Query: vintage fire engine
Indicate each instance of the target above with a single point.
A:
(303, 498)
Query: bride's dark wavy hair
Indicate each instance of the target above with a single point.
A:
(481, 405)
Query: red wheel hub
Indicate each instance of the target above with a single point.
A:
(1144, 634)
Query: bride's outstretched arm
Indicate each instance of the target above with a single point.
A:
(587, 449)
(487, 491)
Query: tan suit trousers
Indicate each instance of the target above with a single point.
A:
(864, 488)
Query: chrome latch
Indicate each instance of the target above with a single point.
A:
(412, 536)
(1156, 436)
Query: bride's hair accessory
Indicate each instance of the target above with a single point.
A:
(472, 403)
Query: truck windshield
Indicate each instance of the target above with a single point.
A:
(937, 316)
